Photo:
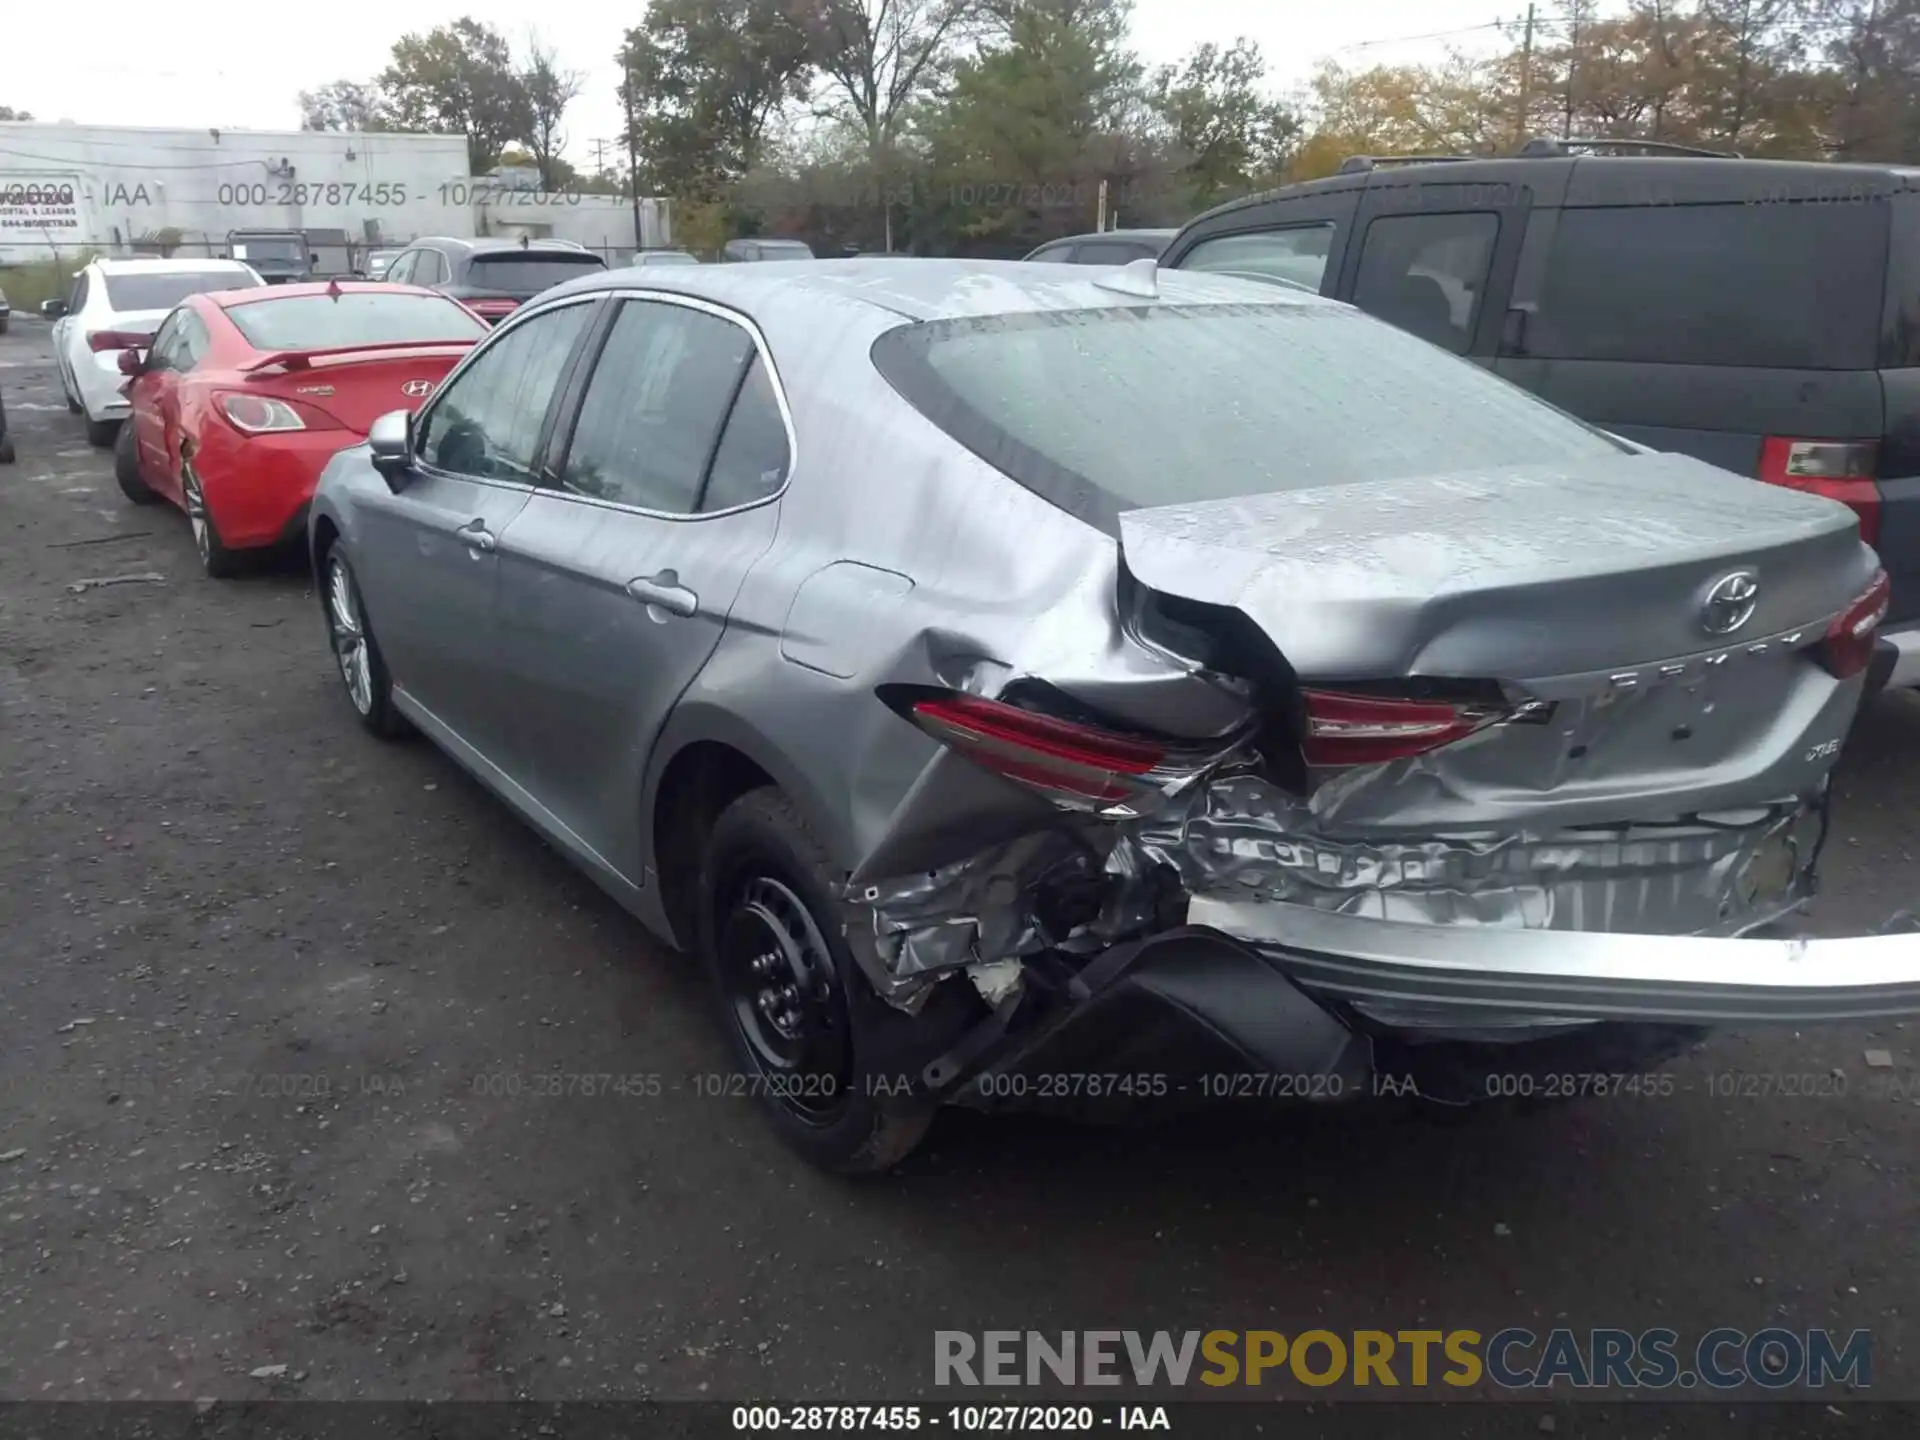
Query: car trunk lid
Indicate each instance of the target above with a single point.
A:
(355, 386)
(1509, 574)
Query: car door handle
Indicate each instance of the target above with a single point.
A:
(477, 537)
(666, 591)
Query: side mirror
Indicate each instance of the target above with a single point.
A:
(390, 443)
(53, 309)
(131, 362)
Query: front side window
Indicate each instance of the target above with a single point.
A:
(1426, 274)
(1104, 410)
(1297, 254)
(487, 421)
(160, 353)
(400, 272)
(652, 411)
(191, 344)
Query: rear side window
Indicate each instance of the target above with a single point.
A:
(1112, 252)
(1105, 410)
(751, 462)
(1426, 274)
(1781, 286)
(162, 290)
(654, 406)
(1298, 254)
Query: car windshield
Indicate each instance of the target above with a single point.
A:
(784, 250)
(1106, 410)
(317, 322)
(268, 247)
(524, 273)
(164, 289)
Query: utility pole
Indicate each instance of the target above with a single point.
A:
(599, 156)
(1526, 80)
(1576, 10)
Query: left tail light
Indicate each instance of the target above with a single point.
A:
(1346, 729)
(1848, 647)
(1075, 765)
(266, 415)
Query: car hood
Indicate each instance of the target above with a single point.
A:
(1529, 571)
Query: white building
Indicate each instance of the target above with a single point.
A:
(122, 190)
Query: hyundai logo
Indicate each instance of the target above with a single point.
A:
(1730, 603)
(416, 388)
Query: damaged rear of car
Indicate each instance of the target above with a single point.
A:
(1427, 730)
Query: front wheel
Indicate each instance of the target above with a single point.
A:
(834, 1067)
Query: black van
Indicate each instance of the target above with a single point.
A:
(1762, 315)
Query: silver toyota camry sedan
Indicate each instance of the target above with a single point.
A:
(1026, 684)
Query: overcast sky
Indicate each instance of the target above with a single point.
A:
(140, 63)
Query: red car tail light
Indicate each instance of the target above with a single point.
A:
(1849, 644)
(1347, 729)
(493, 309)
(101, 341)
(265, 415)
(1072, 762)
(1842, 470)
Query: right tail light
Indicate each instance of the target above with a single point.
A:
(1346, 729)
(1848, 647)
(1842, 470)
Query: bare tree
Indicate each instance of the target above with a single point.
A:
(550, 88)
(877, 58)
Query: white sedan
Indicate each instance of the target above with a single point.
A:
(116, 305)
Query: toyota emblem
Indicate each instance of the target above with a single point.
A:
(1730, 603)
(416, 388)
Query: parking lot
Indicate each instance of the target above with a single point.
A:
(280, 1009)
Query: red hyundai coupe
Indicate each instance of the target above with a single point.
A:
(244, 395)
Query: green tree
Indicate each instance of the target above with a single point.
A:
(703, 79)
(7, 112)
(459, 79)
(1228, 136)
(343, 105)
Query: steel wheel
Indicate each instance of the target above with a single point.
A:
(781, 992)
(349, 636)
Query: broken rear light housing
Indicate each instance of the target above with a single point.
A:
(1342, 728)
(1077, 765)
(1848, 646)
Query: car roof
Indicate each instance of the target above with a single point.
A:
(1591, 179)
(492, 245)
(1147, 234)
(143, 266)
(938, 289)
(268, 294)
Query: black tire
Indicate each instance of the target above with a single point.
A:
(849, 1098)
(4, 321)
(215, 558)
(363, 669)
(126, 469)
(7, 456)
(102, 433)
(74, 407)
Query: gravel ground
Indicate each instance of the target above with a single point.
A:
(273, 997)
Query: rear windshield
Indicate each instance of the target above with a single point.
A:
(524, 274)
(1102, 411)
(316, 322)
(1780, 286)
(162, 290)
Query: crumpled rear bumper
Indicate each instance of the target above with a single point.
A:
(1251, 990)
(1686, 979)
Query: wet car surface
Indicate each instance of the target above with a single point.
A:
(276, 1005)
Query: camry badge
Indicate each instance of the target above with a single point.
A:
(416, 388)
(1730, 603)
